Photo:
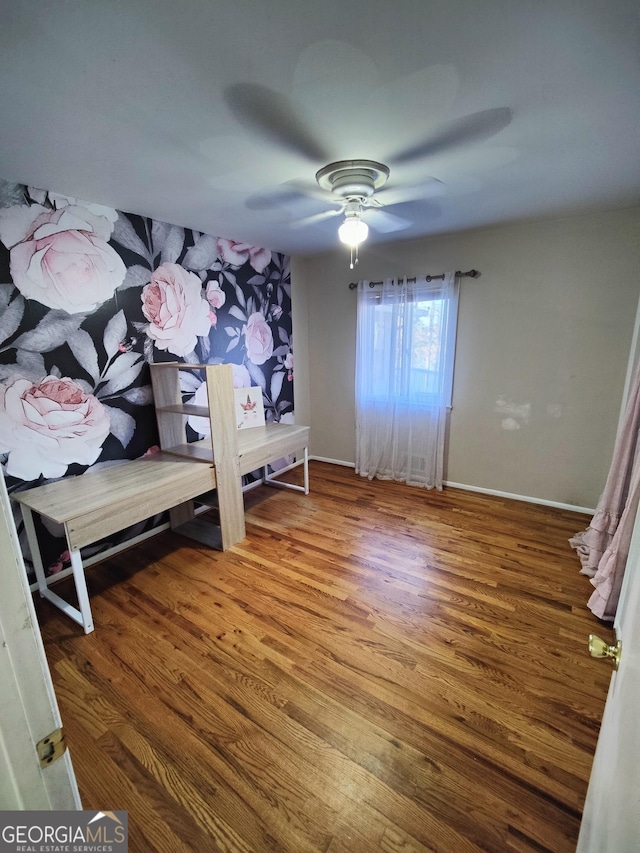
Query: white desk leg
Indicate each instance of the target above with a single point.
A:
(36, 558)
(83, 615)
(270, 479)
(81, 590)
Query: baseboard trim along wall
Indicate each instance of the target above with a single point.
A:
(555, 504)
(332, 461)
(482, 491)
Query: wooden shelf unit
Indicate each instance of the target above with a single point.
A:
(233, 452)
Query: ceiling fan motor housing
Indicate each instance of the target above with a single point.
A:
(353, 179)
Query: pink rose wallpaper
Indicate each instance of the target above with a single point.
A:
(215, 295)
(90, 296)
(48, 426)
(258, 339)
(62, 259)
(239, 253)
(172, 303)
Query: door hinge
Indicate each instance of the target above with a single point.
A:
(51, 747)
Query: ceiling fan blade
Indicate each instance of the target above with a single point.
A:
(430, 188)
(385, 222)
(288, 194)
(270, 113)
(270, 201)
(311, 190)
(461, 131)
(316, 217)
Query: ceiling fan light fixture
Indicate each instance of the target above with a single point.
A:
(354, 181)
(353, 230)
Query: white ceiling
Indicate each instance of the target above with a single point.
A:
(213, 113)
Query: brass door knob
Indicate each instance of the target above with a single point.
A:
(599, 649)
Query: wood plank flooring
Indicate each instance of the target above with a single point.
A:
(374, 668)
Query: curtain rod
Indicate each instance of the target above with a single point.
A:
(467, 274)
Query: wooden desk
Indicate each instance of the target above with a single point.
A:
(99, 503)
(260, 445)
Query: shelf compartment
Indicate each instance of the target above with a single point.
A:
(202, 531)
(228, 451)
(197, 450)
(186, 409)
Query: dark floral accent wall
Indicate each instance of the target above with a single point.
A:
(89, 296)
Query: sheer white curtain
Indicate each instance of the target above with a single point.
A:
(405, 352)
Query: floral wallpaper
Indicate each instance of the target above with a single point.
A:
(89, 296)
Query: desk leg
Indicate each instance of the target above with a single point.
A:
(36, 558)
(83, 615)
(81, 590)
(270, 479)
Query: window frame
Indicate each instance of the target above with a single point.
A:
(419, 291)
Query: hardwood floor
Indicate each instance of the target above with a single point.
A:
(373, 668)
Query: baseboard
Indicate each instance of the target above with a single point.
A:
(331, 461)
(509, 495)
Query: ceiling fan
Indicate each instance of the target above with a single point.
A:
(355, 188)
(352, 184)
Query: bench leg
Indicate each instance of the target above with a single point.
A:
(82, 613)
(32, 538)
(270, 479)
(81, 591)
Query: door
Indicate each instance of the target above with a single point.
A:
(28, 707)
(611, 818)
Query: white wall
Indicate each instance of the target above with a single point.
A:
(548, 325)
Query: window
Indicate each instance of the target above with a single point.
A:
(407, 334)
(404, 377)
